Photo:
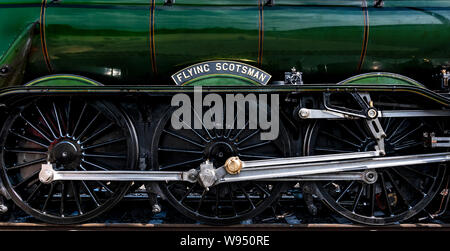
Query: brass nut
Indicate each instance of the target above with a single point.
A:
(233, 165)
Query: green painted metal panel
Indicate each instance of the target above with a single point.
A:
(409, 41)
(63, 80)
(318, 41)
(381, 78)
(13, 21)
(99, 41)
(221, 81)
(187, 35)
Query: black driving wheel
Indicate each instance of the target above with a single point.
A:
(184, 149)
(399, 193)
(74, 134)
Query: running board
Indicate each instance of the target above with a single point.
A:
(320, 167)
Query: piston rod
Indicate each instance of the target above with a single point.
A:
(293, 170)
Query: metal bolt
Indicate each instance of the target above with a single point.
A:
(372, 113)
(4, 70)
(233, 165)
(303, 113)
(370, 177)
(156, 209)
(3, 209)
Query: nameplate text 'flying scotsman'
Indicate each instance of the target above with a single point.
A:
(222, 68)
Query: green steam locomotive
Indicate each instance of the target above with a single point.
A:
(221, 106)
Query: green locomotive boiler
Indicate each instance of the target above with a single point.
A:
(221, 106)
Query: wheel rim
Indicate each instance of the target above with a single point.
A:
(75, 135)
(226, 203)
(399, 193)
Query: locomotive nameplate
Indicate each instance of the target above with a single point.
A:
(221, 68)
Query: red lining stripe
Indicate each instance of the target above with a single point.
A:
(366, 35)
(42, 33)
(152, 36)
(260, 31)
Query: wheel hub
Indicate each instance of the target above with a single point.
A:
(218, 152)
(65, 152)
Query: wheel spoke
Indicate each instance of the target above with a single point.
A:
(201, 121)
(240, 131)
(195, 132)
(345, 191)
(256, 156)
(339, 139)
(397, 130)
(201, 200)
(180, 163)
(46, 122)
(231, 127)
(247, 196)
(178, 150)
(188, 192)
(49, 196)
(79, 119)
(107, 156)
(388, 124)
(350, 132)
(95, 134)
(217, 200)
(232, 200)
(88, 126)
(104, 143)
(326, 149)
(63, 197)
(419, 173)
(411, 184)
(261, 189)
(92, 164)
(104, 186)
(30, 163)
(31, 197)
(254, 146)
(397, 189)
(372, 199)
(407, 134)
(68, 116)
(248, 137)
(355, 203)
(25, 180)
(91, 193)
(184, 138)
(28, 139)
(57, 119)
(388, 203)
(361, 129)
(23, 150)
(407, 145)
(35, 128)
(76, 196)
